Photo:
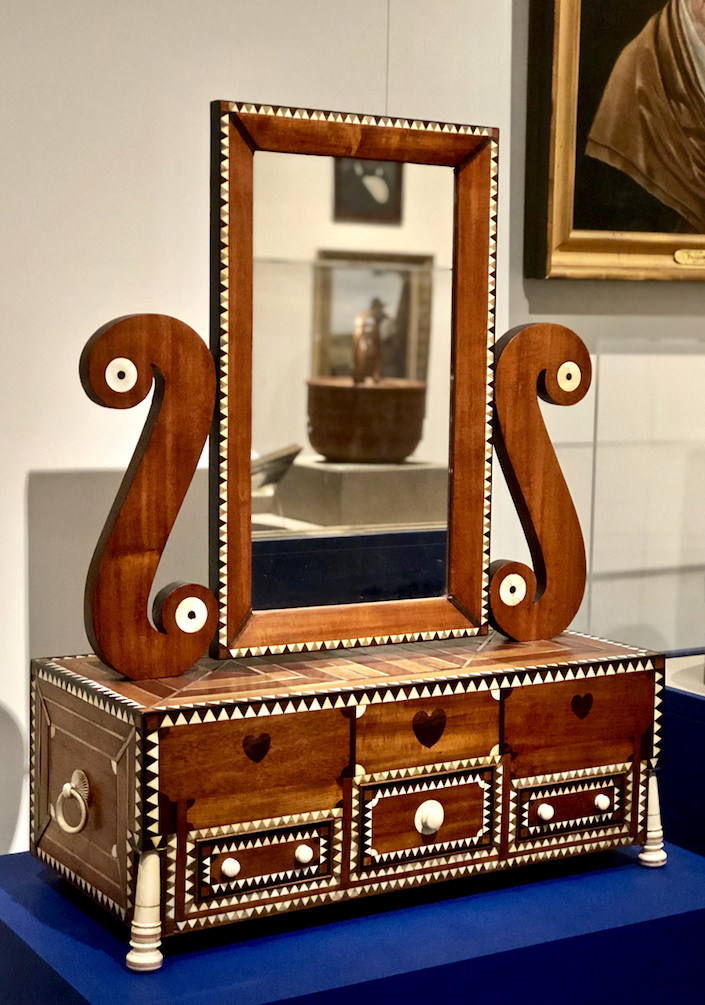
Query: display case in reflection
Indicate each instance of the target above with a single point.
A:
(372, 324)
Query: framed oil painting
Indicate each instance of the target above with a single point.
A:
(615, 180)
(367, 191)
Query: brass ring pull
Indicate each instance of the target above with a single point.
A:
(79, 790)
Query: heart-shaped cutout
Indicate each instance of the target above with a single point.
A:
(581, 705)
(256, 747)
(429, 728)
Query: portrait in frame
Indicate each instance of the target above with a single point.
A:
(367, 191)
(616, 140)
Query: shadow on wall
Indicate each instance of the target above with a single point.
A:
(12, 758)
(66, 511)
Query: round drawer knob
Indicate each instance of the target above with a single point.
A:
(303, 854)
(429, 817)
(230, 867)
(545, 812)
(602, 802)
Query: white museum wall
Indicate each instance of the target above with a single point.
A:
(105, 181)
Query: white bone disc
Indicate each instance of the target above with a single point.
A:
(512, 589)
(121, 374)
(191, 615)
(569, 376)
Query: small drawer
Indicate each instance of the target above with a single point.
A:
(432, 815)
(426, 731)
(264, 860)
(563, 810)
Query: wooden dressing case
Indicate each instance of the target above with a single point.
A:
(336, 751)
(267, 785)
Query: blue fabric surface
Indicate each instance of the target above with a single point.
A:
(542, 911)
(681, 774)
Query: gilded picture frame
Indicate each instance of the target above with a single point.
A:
(584, 218)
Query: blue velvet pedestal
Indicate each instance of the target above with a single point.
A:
(598, 929)
(682, 769)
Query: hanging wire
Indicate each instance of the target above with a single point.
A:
(386, 85)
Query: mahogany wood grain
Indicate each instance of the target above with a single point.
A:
(551, 361)
(388, 617)
(306, 756)
(267, 861)
(453, 728)
(544, 734)
(248, 678)
(470, 152)
(237, 757)
(468, 486)
(237, 383)
(119, 365)
(330, 134)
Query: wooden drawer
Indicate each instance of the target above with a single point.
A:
(225, 874)
(264, 860)
(427, 731)
(97, 841)
(571, 808)
(405, 819)
(250, 769)
(579, 724)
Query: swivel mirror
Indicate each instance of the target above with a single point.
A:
(239, 132)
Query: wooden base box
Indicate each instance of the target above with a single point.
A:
(249, 787)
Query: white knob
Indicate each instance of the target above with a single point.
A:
(230, 867)
(602, 802)
(429, 817)
(545, 812)
(303, 854)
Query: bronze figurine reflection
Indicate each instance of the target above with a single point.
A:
(367, 343)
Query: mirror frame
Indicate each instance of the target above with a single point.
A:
(238, 132)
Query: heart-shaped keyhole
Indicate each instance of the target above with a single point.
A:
(256, 747)
(429, 728)
(581, 705)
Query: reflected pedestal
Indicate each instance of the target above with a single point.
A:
(334, 494)
(373, 421)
